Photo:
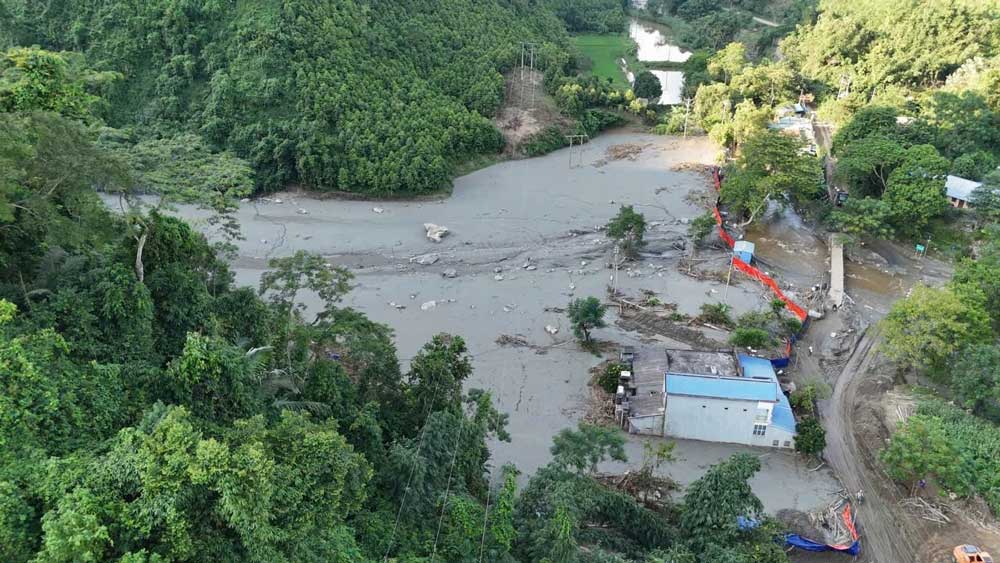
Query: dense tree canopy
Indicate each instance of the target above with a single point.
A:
(378, 98)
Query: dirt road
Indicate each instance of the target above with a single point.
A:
(887, 536)
(856, 431)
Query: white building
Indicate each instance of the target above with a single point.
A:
(711, 396)
(959, 190)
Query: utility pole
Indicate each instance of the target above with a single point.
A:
(531, 76)
(729, 277)
(579, 140)
(614, 264)
(527, 54)
(687, 111)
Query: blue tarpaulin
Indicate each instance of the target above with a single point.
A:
(795, 540)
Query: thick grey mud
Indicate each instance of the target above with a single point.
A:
(524, 239)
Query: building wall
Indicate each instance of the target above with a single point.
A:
(720, 420)
(651, 424)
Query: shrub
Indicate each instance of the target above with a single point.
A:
(608, 379)
(750, 337)
(804, 400)
(811, 439)
(753, 319)
(716, 313)
(544, 142)
(791, 326)
(701, 226)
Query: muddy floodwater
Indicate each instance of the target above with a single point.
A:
(523, 241)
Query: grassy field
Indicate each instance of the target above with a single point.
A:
(604, 51)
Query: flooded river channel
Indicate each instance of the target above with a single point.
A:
(523, 241)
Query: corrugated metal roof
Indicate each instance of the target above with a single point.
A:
(782, 416)
(734, 388)
(960, 188)
(756, 368)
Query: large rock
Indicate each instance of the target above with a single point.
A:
(425, 259)
(864, 256)
(435, 232)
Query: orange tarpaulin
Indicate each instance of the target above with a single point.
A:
(747, 268)
(766, 280)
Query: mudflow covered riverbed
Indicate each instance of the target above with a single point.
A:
(523, 240)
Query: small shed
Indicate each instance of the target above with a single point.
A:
(743, 249)
(959, 190)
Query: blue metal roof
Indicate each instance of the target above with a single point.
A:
(720, 387)
(782, 416)
(756, 368)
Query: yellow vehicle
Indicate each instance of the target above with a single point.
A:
(970, 554)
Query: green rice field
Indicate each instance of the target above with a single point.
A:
(604, 50)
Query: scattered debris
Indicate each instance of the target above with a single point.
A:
(515, 340)
(436, 232)
(630, 151)
(926, 510)
(425, 259)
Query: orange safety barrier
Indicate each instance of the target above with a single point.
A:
(766, 280)
(722, 230)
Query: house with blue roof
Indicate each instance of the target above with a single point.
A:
(712, 396)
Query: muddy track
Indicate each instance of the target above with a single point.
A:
(888, 534)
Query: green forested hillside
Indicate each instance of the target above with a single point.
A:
(151, 411)
(376, 97)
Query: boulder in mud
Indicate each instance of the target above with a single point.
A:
(435, 232)
(425, 259)
(863, 256)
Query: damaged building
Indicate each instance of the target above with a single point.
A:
(710, 396)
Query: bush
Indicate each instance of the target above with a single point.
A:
(791, 326)
(804, 400)
(544, 142)
(701, 226)
(716, 313)
(753, 319)
(608, 379)
(594, 121)
(750, 337)
(811, 439)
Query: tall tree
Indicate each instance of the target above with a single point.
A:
(770, 168)
(924, 329)
(713, 503)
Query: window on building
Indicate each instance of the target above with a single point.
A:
(774, 443)
(787, 443)
(759, 429)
